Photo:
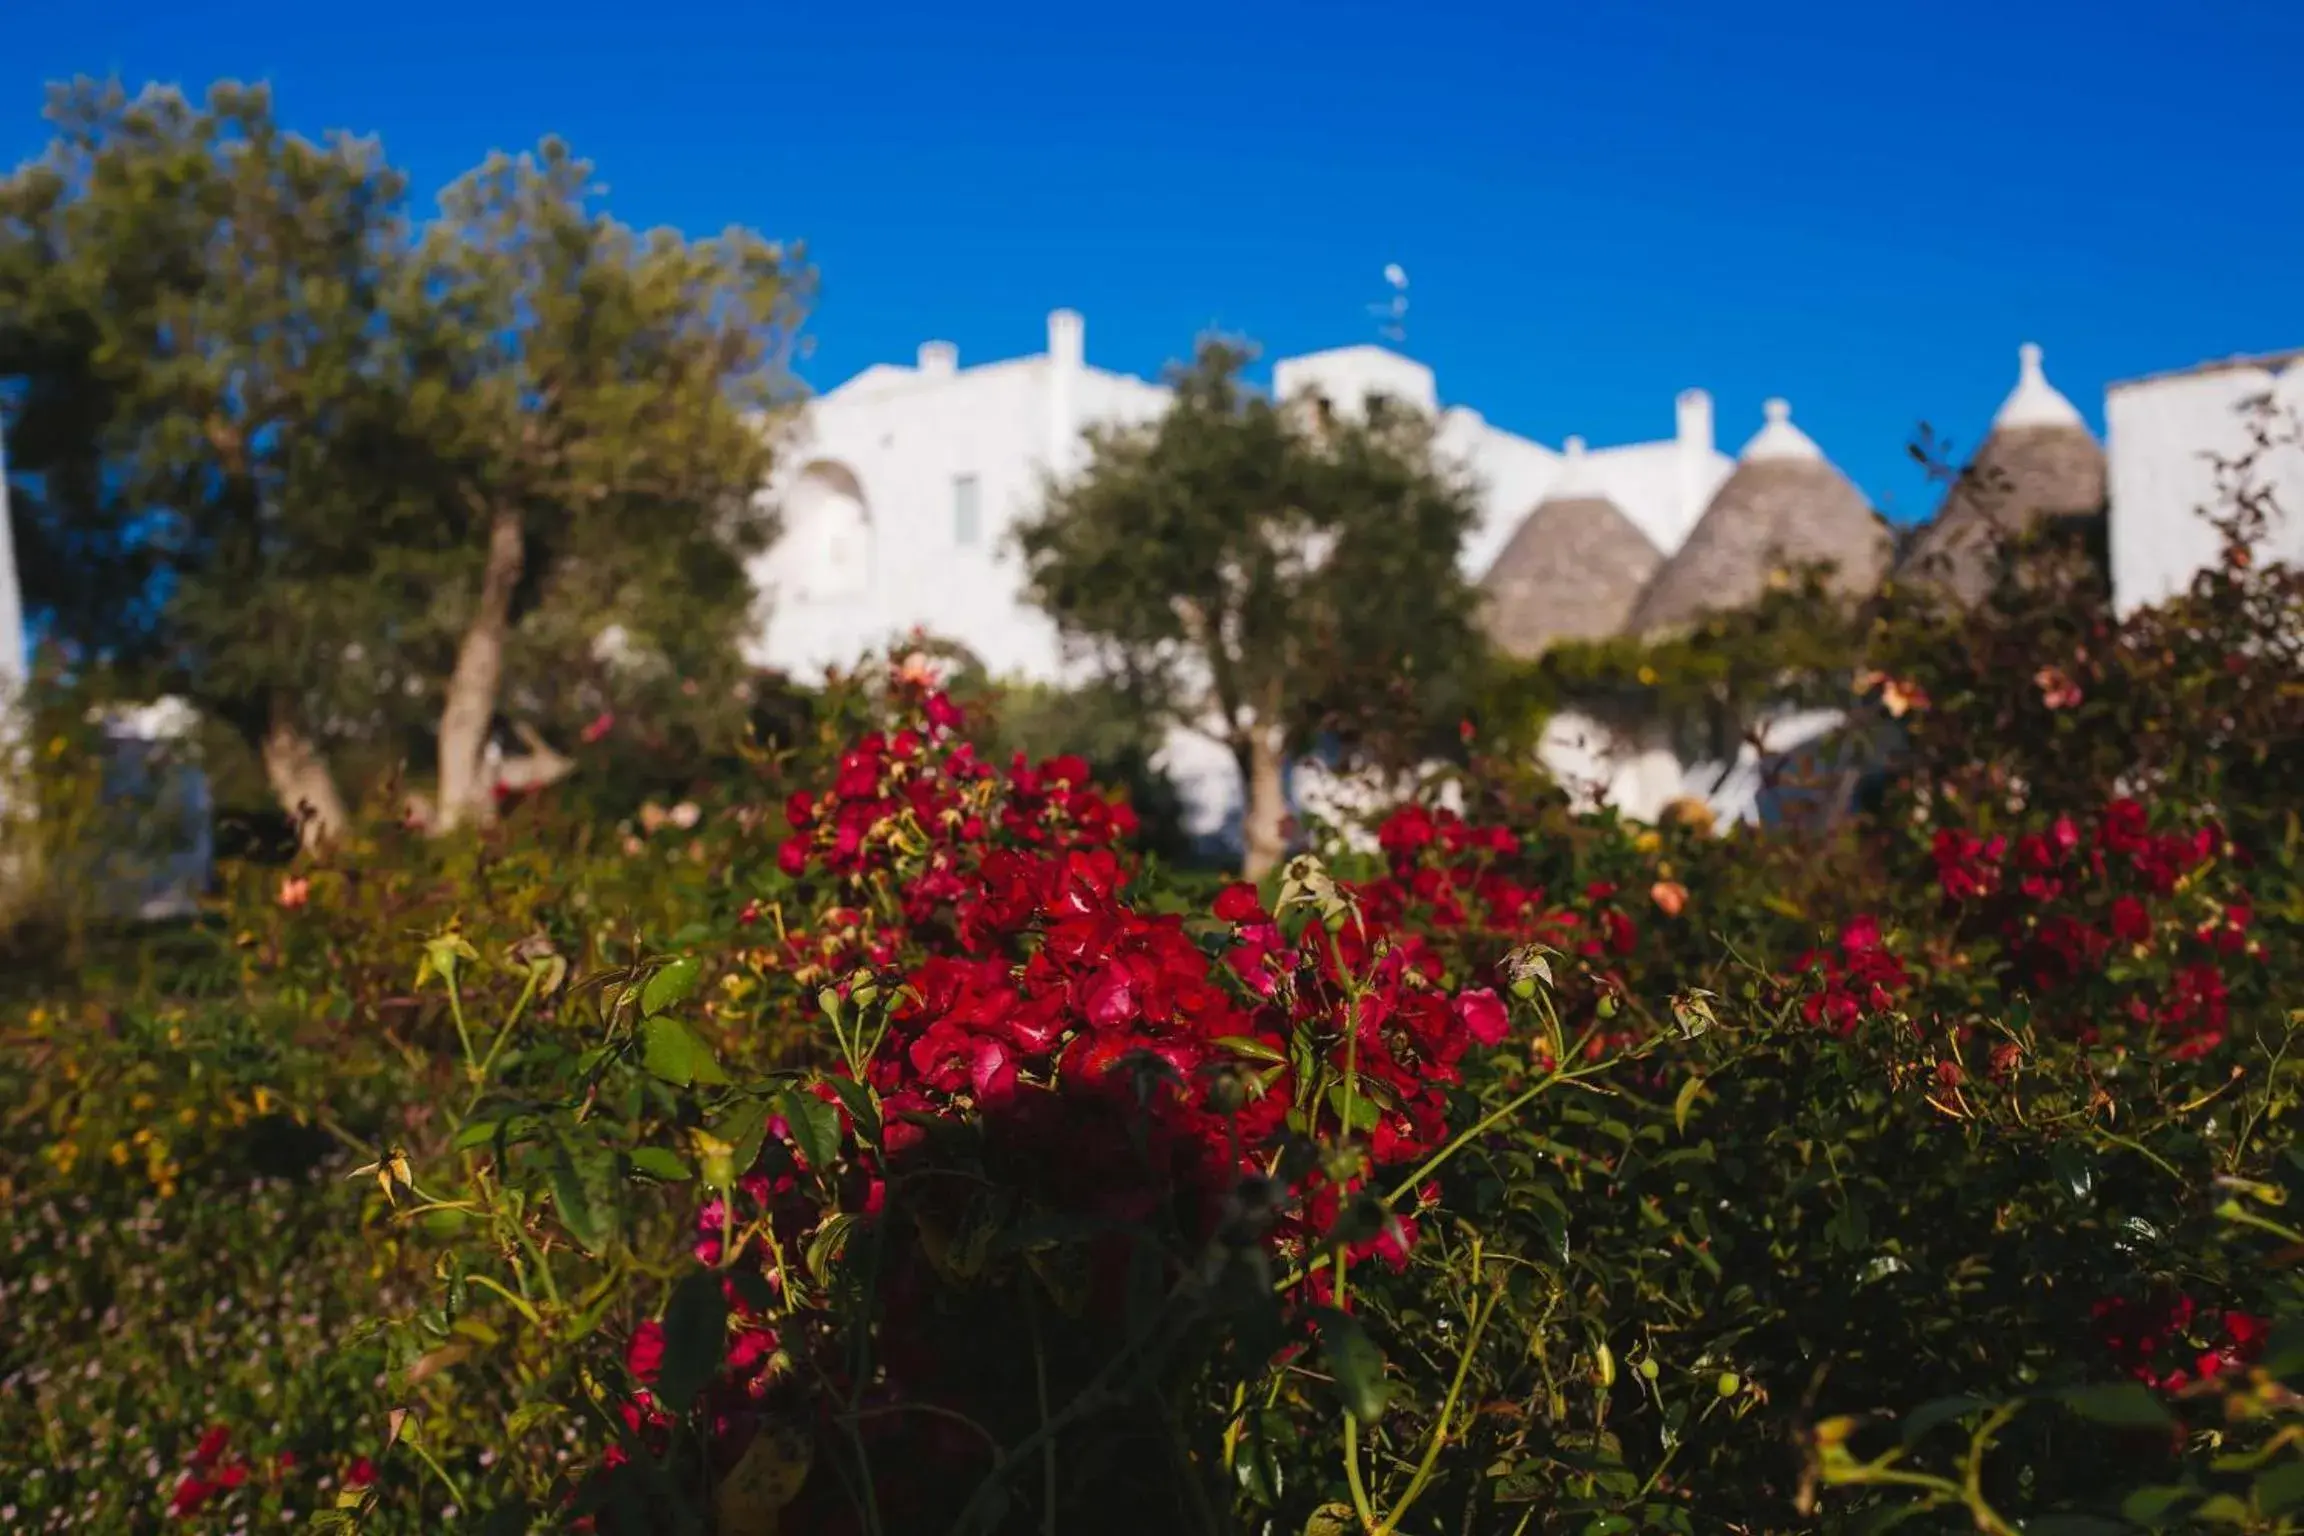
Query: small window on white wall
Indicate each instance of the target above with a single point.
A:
(966, 515)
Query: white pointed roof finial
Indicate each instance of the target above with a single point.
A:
(2035, 402)
(1779, 439)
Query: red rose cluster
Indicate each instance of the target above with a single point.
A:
(1116, 1069)
(211, 1471)
(2062, 903)
(2164, 1342)
(214, 1469)
(1449, 875)
(1858, 978)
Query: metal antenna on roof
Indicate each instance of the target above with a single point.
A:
(1392, 314)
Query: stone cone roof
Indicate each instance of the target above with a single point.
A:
(1571, 571)
(1785, 505)
(2038, 465)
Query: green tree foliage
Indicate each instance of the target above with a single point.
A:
(1260, 570)
(597, 399)
(347, 483)
(191, 300)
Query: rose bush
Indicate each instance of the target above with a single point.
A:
(879, 1141)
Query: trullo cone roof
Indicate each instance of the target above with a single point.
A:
(1783, 506)
(1571, 571)
(2038, 464)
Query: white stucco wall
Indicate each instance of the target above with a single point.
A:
(875, 462)
(2164, 437)
(12, 658)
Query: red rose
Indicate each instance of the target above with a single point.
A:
(1482, 1014)
(2131, 924)
(190, 1495)
(644, 1355)
(211, 1445)
(1238, 903)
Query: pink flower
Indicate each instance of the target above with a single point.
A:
(2057, 690)
(294, 893)
(1482, 1014)
(598, 727)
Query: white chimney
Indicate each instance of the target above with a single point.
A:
(1067, 338)
(1575, 477)
(938, 359)
(1695, 421)
(1067, 354)
(1693, 433)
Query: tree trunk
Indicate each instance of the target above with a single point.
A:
(471, 702)
(299, 776)
(1262, 770)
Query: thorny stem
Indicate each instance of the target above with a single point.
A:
(463, 1030)
(438, 1470)
(1488, 1122)
(504, 1033)
(1423, 1478)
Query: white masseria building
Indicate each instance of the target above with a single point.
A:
(903, 483)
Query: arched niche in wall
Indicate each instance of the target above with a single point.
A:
(825, 554)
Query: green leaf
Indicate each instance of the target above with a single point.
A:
(1254, 1050)
(1261, 1465)
(670, 986)
(828, 1243)
(476, 1133)
(1356, 1363)
(2072, 1171)
(2151, 1506)
(814, 1125)
(574, 1202)
(1685, 1102)
(2281, 1488)
(527, 1416)
(743, 1127)
(858, 1101)
(2126, 1405)
(1333, 1520)
(2076, 1525)
(1930, 1416)
(660, 1163)
(1552, 1222)
(695, 1335)
(1886, 1518)
(1364, 1114)
(670, 1050)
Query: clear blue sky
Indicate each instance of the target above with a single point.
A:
(1862, 206)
